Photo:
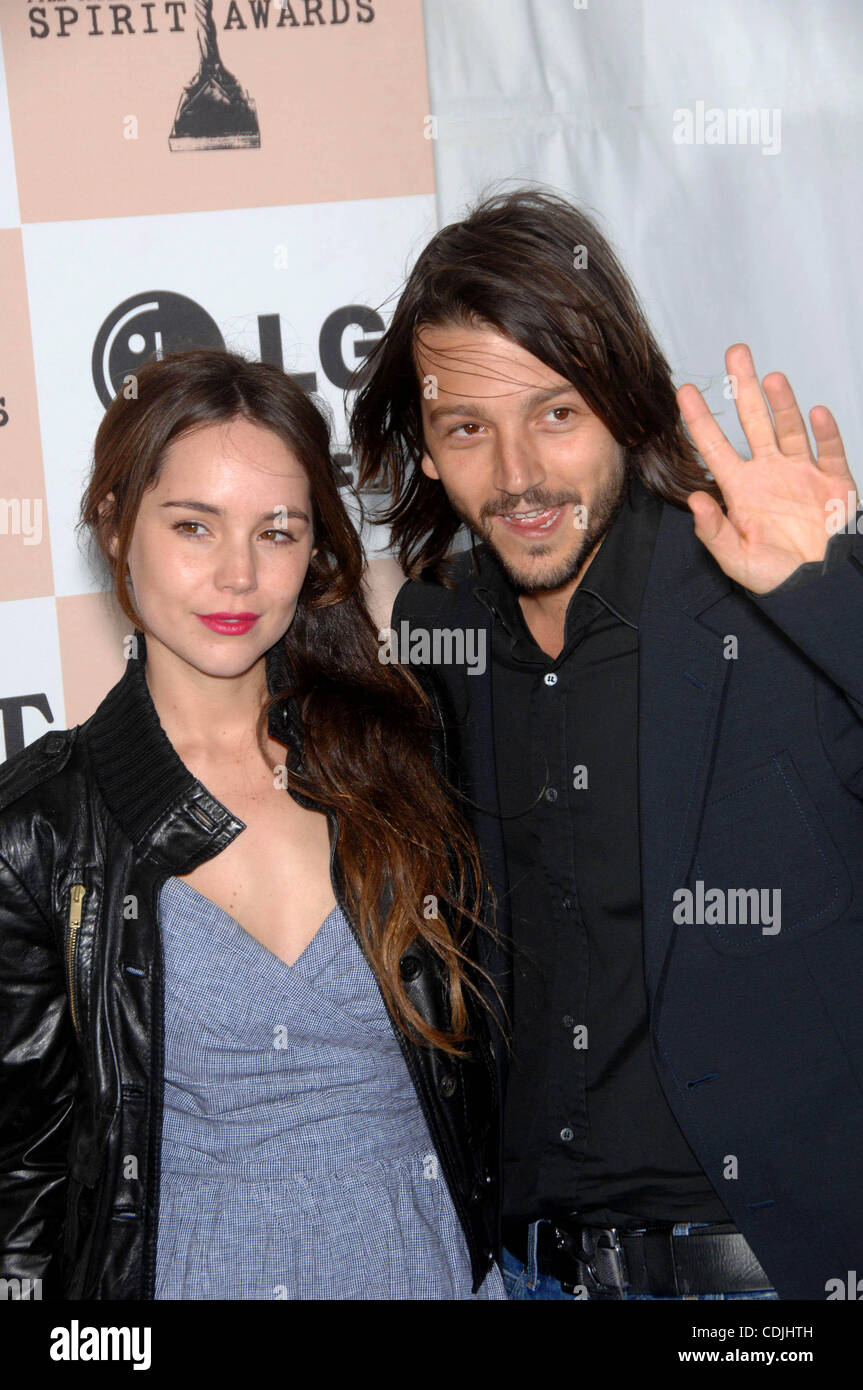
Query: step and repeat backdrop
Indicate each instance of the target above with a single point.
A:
(233, 173)
(260, 174)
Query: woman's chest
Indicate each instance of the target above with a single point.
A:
(274, 877)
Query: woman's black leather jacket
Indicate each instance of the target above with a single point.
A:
(92, 822)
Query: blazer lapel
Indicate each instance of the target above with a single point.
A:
(682, 680)
(478, 780)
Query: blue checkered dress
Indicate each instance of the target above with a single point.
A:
(296, 1161)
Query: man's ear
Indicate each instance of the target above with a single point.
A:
(427, 466)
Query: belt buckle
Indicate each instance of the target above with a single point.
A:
(608, 1263)
(602, 1258)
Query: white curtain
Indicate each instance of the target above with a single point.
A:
(757, 240)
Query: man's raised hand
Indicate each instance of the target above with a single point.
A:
(779, 502)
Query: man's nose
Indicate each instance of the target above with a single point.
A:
(517, 465)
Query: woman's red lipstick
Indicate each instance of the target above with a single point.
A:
(230, 624)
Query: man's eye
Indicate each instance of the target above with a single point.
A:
(468, 425)
(565, 410)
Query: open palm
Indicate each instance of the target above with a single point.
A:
(779, 502)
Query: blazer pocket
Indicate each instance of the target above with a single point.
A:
(765, 833)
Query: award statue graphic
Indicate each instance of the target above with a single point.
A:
(214, 112)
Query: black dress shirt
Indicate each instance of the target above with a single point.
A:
(587, 1126)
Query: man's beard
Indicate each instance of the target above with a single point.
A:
(601, 515)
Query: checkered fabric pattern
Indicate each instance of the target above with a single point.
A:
(296, 1161)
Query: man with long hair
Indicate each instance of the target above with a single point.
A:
(663, 755)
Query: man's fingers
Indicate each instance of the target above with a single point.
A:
(708, 514)
(751, 405)
(828, 442)
(791, 434)
(713, 528)
(707, 437)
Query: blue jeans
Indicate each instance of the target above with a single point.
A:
(525, 1281)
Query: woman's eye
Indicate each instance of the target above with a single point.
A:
(279, 537)
(197, 528)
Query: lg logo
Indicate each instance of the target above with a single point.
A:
(158, 321)
(147, 325)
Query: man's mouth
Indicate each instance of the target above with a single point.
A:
(533, 521)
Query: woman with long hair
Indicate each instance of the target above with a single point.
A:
(245, 1042)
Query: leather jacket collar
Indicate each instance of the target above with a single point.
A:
(166, 812)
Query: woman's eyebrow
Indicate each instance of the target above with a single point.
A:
(192, 505)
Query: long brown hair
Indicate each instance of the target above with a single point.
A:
(536, 268)
(365, 724)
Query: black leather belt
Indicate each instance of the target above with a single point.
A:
(609, 1262)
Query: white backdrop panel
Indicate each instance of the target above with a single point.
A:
(724, 242)
(30, 668)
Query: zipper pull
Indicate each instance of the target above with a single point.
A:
(78, 891)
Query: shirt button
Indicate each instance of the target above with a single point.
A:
(568, 1021)
(550, 678)
(410, 967)
(551, 794)
(447, 1086)
(568, 904)
(566, 1134)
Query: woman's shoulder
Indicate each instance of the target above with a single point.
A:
(56, 764)
(40, 796)
(33, 768)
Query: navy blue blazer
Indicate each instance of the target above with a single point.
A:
(750, 773)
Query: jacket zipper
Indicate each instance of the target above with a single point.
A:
(76, 909)
(431, 1120)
